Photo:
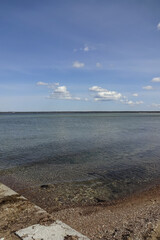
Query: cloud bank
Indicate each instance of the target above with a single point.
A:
(102, 94)
(57, 91)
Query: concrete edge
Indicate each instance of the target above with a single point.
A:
(55, 230)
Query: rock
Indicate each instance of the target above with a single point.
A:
(45, 186)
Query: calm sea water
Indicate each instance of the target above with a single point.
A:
(54, 147)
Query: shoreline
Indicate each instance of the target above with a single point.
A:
(130, 217)
(134, 217)
(64, 195)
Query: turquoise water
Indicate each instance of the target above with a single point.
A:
(55, 147)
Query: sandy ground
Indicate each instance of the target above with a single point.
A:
(134, 218)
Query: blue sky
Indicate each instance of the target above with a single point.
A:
(79, 55)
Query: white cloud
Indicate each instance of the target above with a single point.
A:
(61, 92)
(139, 102)
(102, 94)
(130, 102)
(147, 87)
(135, 103)
(157, 105)
(86, 49)
(156, 79)
(135, 94)
(78, 64)
(158, 26)
(58, 92)
(97, 89)
(98, 65)
(41, 84)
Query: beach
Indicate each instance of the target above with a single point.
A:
(97, 172)
(135, 216)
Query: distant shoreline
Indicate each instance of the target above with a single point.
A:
(44, 112)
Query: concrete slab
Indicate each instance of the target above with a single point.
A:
(5, 191)
(16, 212)
(55, 231)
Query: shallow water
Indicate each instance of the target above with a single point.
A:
(120, 149)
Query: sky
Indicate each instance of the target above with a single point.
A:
(79, 55)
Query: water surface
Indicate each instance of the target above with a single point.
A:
(47, 148)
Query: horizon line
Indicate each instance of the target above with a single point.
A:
(142, 111)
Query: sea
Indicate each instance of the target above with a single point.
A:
(118, 148)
